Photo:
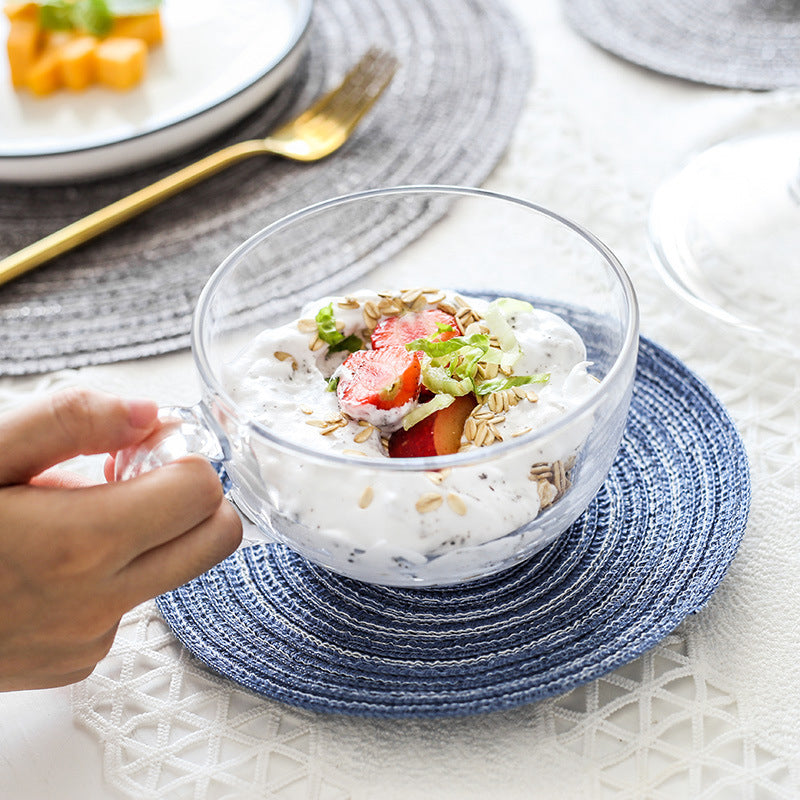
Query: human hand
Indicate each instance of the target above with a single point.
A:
(75, 557)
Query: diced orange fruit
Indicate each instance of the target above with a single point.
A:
(29, 11)
(44, 75)
(120, 61)
(23, 45)
(77, 62)
(146, 27)
(46, 61)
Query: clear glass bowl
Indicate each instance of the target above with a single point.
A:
(484, 245)
(725, 232)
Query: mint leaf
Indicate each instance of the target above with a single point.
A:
(92, 16)
(56, 15)
(333, 383)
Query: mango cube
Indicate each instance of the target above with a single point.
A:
(120, 62)
(146, 27)
(45, 60)
(28, 11)
(44, 75)
(24, 38)
(77, 62)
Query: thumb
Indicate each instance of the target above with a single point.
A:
(69, 423)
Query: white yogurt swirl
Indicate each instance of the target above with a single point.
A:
(392, 520)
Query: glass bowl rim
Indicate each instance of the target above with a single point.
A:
(429, 463)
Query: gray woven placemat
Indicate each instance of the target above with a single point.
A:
(745, 44)
(446, 118)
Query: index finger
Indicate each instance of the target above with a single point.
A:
(153, 508)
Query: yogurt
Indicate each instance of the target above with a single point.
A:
(410, 520)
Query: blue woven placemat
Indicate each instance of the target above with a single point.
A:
(649, 550)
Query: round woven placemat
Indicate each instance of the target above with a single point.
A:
(649, 550)
(745, 44)
(446, 118)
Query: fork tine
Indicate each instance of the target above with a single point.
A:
(357, 93)
(366, 84)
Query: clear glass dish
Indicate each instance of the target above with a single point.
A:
(485, 245)
(724, 229)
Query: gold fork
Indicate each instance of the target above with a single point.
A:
(317, 132)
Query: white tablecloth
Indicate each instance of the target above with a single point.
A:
(713, 711)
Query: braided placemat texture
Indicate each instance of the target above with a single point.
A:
(745, 44)
(649, 550)
(446, 118)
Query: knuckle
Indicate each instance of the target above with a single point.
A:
(231, 528)
(204, 483)
(221, 535)
(72, 413)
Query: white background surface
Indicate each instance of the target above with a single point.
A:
(713, 712)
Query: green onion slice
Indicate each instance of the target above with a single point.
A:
(350, 343)
(336, 340)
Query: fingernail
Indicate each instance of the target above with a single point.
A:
(141, 413)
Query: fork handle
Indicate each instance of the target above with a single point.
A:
(110, 216)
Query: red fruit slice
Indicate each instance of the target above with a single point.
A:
(385, 378)
(413, 325)
(437, 435)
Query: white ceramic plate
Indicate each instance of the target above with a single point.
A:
(219, 61)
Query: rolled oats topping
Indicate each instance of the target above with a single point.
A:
(418, 372)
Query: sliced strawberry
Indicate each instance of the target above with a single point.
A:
(378, 379)
(413, 325)
(437, 435)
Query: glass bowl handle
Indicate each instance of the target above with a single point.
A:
(184, 431)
